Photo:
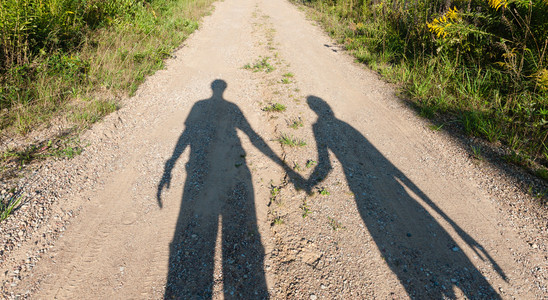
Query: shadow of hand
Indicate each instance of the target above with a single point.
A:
(297, 180)
(165, 183)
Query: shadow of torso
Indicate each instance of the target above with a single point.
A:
(217, 210)
(414, 245)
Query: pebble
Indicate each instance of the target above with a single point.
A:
(313, 297)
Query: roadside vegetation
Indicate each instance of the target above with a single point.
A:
(481, 65)
(71, 59)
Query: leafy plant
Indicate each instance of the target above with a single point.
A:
(310, 163)
(323, 191)
(70, 58)
(306, 210)
(277, 107)
(296, 123)
(481, 63)
(261, 65)
(335, 225)
(291, 141)
(277, 221)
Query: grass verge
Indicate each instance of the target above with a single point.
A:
(455, 68)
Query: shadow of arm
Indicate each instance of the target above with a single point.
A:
(476, 246)
(260, 144)
(165, 182)
(324, 164)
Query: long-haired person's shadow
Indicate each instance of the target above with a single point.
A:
(415, 246)
(217, 201)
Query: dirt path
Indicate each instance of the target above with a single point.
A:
(183, 192)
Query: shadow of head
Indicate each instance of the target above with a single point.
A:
(319, 106)
(218, 86)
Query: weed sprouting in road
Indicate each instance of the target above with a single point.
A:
(323, 191)
(335, 225)
(296, 123)
(262, 65)
(306, 209)
(8, 202)
(310, 163)
(275, 107)
(291, 141)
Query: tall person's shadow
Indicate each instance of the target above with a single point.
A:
(217, 196)
(415, 246)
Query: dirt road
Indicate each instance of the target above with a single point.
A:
(200, 187)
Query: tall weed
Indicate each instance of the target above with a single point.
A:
(483, 63)
(56, 55)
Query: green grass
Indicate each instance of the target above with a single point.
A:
(500, 94)
(323, 191)
(335, 225)
(74, 58)
(274, 195)
(61, 147)
(296, 124)
(310, 163)
(542, 173)
(8, 202)
(275, 107)
(286, 81)
(477, 152)
(305, 210)
(277, 221)
(262, 65)
(291, 141)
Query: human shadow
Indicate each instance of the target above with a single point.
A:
(217, 204)
(423, 255)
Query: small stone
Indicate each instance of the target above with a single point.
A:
(453, 280)
(534, 246)
(455, 249)
(323, 287)
(313, 297)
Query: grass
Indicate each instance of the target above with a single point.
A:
(323, 191)
(78, 79)
(275, 107)
(305, 210)
(274, 195)
(8, 202)
(291, 141)
(310, 163)
(296, 124)
(286, 80)
(277, 221)
(435, 127)
(477, 152)
(262, 65)
(500, 95)
(61, 147)
(335, 225)
(542, 173)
